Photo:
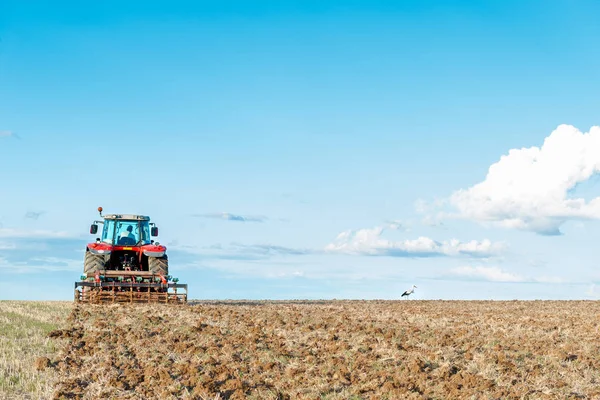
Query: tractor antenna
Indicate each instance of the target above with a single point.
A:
(100, 211)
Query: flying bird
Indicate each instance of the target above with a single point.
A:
(409, 292)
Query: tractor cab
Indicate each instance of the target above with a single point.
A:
(125, 230)
(126, 241)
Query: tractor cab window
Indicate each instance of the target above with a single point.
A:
(127, 233)
(145, 232)
(108, 231)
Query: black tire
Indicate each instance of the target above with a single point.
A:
(159, 265)
(92, 262)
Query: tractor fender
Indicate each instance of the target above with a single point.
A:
(154, 253)
(154, 250)
(99, 248)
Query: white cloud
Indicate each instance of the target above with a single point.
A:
(495, 274)
(239, 251)
(9, 134)
(22, 233)
(528, 188)
(40, 264)
(33, 251)
(432, 222)
(233, 217)
(593, 292)
(370, 242)
(398, 225)
(285, 274)
(34, 214)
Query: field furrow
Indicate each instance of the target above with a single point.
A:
(331, 350)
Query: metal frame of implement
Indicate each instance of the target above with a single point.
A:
(131, 292)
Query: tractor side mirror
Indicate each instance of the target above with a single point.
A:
(154, 231)
(93, 229)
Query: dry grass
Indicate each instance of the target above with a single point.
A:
(332, 350)
(24, 328)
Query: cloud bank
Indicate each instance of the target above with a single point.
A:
(34, 214)
(361, 242)
(233, 217)
(528, 188)
(13, 233)
(495, 274)
(9, 134)
(31, 251)
(369, 242)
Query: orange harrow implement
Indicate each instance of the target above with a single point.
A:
(134, 291)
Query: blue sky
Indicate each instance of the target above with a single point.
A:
(307, 149)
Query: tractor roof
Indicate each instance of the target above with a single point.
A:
(127, 217)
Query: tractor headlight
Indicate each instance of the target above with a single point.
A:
(83, 277)
(175, 280)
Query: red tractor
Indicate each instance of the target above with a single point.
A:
(125, 264)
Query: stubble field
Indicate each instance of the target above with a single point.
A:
(24, 329)
(329, 350)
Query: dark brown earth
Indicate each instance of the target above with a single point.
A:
(331, 350)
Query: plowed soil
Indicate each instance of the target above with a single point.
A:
(331, 350)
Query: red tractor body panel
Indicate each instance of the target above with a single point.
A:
(151, 250)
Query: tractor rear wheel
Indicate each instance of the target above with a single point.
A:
(92, 262)
(159, 265)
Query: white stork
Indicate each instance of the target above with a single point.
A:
(409, 292)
